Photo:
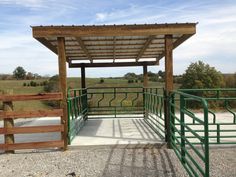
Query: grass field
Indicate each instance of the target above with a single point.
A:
(73, 82)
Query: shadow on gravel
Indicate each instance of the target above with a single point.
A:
(139, 160)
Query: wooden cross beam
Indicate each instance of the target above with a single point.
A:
(149, 40)
(81, 43)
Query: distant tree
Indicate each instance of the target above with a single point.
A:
(200, 75)
(19, 73)
(230, 80)
(29, 76)
(101, 80)
(161, 74)
(52, 86)
(130, 76)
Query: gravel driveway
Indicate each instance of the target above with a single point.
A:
(111, 161)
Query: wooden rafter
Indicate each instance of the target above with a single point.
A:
(116, 64)
(48, 44)
(145, 46)
(81, 43)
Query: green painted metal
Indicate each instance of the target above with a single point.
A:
(77, 111)
(115, 101)
(153, 110)
(193, 157)
(218, 128)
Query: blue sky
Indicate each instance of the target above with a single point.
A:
(214, 43)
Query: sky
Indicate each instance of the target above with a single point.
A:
(214, 43)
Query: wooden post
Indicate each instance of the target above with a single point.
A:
(168, 82)
(63, 86)
(8, 123)
(83, 82)
(145, 76)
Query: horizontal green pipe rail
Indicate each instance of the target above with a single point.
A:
(195, 160)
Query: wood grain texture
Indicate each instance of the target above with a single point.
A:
(30, 114)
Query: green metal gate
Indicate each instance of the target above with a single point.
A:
(192, 152)
(77, 111)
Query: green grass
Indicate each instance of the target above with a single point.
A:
(73, 82)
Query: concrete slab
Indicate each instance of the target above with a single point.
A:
(116, 131)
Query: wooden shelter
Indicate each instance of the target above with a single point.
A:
(113, 46)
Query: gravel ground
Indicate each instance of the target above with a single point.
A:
(107, 161)
(111, 161)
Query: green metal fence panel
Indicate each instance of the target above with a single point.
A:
(77, 111)
(194, 155)
(153, 109)
(114, 101)
(222, 130)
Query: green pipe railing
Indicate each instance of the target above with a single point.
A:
(194, 159)
(221, 130)
(77, 111)
(153, 110)
(115, 101)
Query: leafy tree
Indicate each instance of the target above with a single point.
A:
(19, 73)
(101, 80)
(130, 76)
(200, 75)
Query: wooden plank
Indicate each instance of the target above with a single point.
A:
(32, 145)
(145, 46)
(181, 40)
(117, 64)
(31, 114)
(63, 86)
(47, 43)
(32, 129)
(114, 30)
(40, 96)
(81, 43)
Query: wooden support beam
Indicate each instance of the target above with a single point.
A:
(168, 63)
(114, 30)
(145, 76)
(83, 81)
(168, 83)
(114, 49)
(63, 86)
(175, 44)
(117, 64)
(147, 43)
(47, 44)
(81, 43)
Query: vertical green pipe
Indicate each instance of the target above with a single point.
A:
(69, 130)
(206, 139)
(172, 118)
(182, 128)
(144, 102)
